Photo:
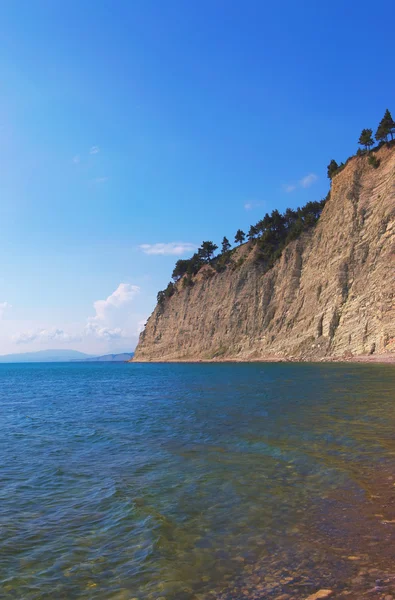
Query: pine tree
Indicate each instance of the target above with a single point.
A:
(240, 236)
(391, 123)
(253, 232)
(195, 262)
(386, 127)
(332, 168)
(225, 245)
(366, 139)
(381, 133)
(290, 217)
(181, 267)
(206, 251)
(277, 221)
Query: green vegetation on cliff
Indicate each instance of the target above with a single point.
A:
(366, 138)
(271, 235)
(385, 128)
(274, 232)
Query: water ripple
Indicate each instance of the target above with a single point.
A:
(148, 481)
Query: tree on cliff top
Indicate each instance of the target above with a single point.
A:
(332, 168)
(225, 245)
(277, 222)
(195, 262)
(386, 127)
(180, 269)
(240, 236)
(253, 232)
(366, 138)
(206, 251)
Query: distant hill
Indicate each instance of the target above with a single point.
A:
(61, 355)
(123, 357)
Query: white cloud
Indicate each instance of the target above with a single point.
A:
(25, 337)
(99, 180)
(116, 317)
(124, 293)
(93, 150)
(103, 333)
(305, 182)
(3, 307)
(112, 313)
(44, 335)
(169, 249)
(251, 205)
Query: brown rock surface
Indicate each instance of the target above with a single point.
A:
(330, 295)
(320, 594)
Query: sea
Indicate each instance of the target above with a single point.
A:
(196, 481)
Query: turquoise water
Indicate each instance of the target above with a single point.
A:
(172, 481)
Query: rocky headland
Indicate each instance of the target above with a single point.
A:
(329, 295)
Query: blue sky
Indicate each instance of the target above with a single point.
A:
(160, 124)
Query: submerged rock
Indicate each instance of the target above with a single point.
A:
(320, 594)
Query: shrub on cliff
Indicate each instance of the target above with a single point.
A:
(160, 298)
(187, 281)
(220, 262)
(167, 293)
(374, 161)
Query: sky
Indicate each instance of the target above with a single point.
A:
(131, 131)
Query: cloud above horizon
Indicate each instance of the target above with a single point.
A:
(45, 335)
(4, 306)
(168, 249)
(305, 182)
(94, 150)
(114, 318)
(111, 314)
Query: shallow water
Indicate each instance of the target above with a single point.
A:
(171, 481)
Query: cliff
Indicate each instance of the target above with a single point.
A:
(331, 294)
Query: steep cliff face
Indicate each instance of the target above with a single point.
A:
(332, 292)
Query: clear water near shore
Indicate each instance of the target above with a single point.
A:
(173, 481)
